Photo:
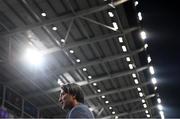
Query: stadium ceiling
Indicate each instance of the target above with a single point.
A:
(94, 43)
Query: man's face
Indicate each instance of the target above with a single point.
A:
(66, 100)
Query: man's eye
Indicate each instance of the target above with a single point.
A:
(62, 93)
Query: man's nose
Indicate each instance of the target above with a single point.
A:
(60, 99)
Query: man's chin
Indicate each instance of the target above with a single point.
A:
(66, 107)
(63, 107)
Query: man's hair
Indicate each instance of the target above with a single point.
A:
(74, 90)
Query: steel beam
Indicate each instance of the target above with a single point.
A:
(98, 23)
(103, 78)
(112, 105)
(119, 90)
(89, 41)
(68, 31)
(66, 17)
(128, 113)
(103, 60)
(130, 101)
(109, 92)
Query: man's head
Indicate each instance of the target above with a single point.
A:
(70, 94)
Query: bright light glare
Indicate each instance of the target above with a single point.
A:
(146, 111)
(110, 14)
(62, 40)
(54, 28)
(116, 117)
(161, 114)
(43, 14)
(143, 101)
(148, 115)
(160, 107)
(103, 96)
(78, 60)
(124, 48)
(134, 75)
(113, 112)
(89, 77)
(139, 16)
(120, 39)
(136, 3)
(110, 107)
(159, 100)
(136, 81)
(71, 51)
(149, 59)
(145, 46)
(33, 56)
(144, 105)
(115, 26)
(98, 90)
(128, 59)
(151, 70)
(140, 94)
(130, 66)
(84, 69)
(139, 89)
(107, 102)
(154, 81)
(94, 84)
(143, 35)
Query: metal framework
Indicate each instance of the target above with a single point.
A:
(64, 18)
(86, 28)
(82, 83)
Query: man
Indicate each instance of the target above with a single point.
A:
(72, 99)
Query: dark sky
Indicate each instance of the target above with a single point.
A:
(161, 20)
